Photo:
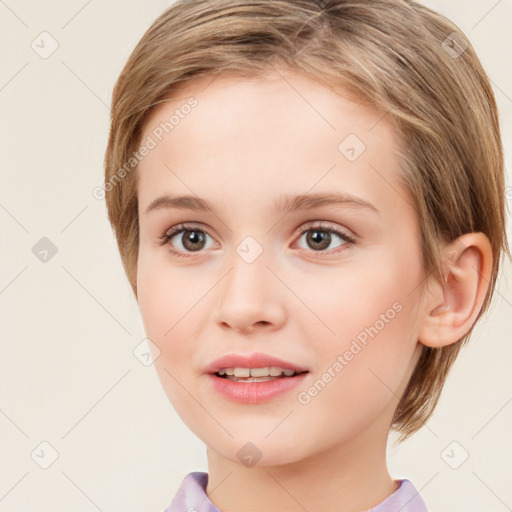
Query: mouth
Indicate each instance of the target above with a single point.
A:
(252, 366)
(265, 374)
(253, 379)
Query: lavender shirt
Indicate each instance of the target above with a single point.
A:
(191, 497)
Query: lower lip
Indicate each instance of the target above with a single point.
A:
(254, 392)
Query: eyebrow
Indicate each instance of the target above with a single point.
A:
(283, 203)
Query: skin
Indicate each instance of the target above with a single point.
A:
(247, 142)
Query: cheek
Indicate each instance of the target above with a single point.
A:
(373, 324)
(166, 301)
(174, 303)
(154, 303)
(349, 302)
(164, 292)
(361, 372)
(163, 300)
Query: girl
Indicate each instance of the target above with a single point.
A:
(308, 198)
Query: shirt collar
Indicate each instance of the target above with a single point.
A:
(192, 497)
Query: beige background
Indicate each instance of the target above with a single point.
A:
(68, 374)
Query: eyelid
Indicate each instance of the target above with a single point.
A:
(326, 226)
(185, 226)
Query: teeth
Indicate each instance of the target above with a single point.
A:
(252, 379)
(260, 372)
(272, 371)
(242, 372)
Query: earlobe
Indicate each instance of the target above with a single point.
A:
(452, 306)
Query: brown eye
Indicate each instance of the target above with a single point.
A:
(318, 239)
(193, 240)
(183, 239)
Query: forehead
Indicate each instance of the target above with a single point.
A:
(281, 97)
(281, 132)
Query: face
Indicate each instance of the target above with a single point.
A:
(325, 285)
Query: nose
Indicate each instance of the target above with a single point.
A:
(250, 298)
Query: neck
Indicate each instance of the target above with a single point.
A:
(349, 477)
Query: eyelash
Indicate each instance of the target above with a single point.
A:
(169, 234)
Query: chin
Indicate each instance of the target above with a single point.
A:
(251, 447)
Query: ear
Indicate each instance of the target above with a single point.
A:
(452, 307)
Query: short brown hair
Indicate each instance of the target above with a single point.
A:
(409, 62)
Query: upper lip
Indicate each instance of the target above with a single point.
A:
(251, 361)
